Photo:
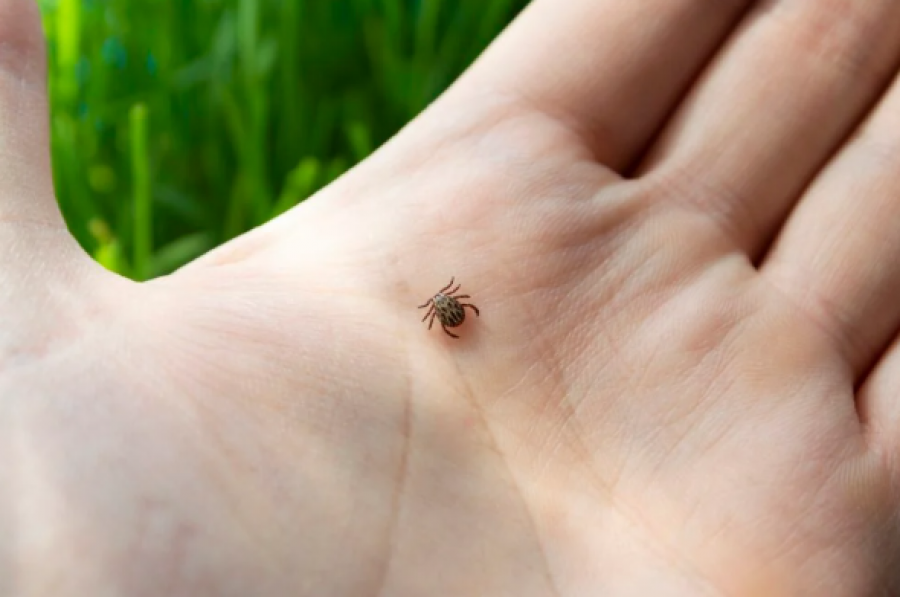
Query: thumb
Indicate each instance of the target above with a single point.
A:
(26, 188)
(43, 270)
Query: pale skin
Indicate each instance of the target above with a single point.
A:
(680, 219)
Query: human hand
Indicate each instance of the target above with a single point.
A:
(656, 400)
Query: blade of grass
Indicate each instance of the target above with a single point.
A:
(142, 193)
(170, 257)
(68, 38)
(302, 182)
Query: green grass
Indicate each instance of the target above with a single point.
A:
(179, 124)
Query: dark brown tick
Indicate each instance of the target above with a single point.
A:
(447, 308)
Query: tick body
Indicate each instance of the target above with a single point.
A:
(446, 306)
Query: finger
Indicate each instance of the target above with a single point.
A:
(879, 407)
(838, 257)
(26, 190)
(794, 81)
(610, 70)
(39, 260)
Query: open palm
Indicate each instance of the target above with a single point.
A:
(679, 219)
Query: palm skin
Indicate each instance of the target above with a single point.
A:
(656, 400)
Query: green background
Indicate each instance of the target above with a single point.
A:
(178, 124)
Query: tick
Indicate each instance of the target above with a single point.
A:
(447, 308)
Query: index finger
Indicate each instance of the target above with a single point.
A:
(610, 70)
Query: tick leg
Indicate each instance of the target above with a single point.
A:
(462, 296)
(448, 285)
(473, 307)
(448, 332)
(450, 293)
(430, 312)
(430, 301)
(431, 322)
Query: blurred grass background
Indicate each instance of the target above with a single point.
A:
(179, 124)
